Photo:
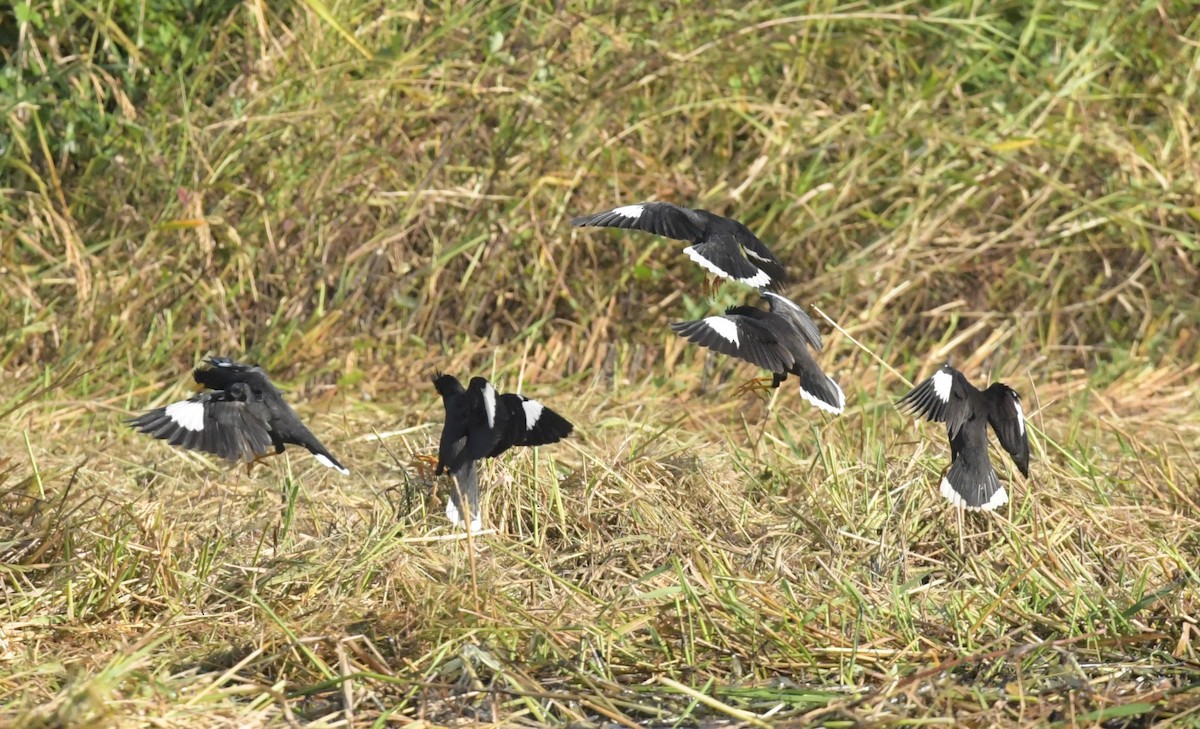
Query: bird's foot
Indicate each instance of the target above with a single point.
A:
(759, 385)
(425, 461)
(258, 458)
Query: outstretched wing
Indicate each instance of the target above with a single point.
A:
(660, 218)
(530, 423)
(211, 423)
(1008, 420)
(942, 398)
(742, 332)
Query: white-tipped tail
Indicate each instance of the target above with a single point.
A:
(999, 498)
(327, 462)
(821, 404)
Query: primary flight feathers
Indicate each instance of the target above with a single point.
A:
(240, 416)
(721, 245)
(947, 397)
(777, 339)
(480, 423)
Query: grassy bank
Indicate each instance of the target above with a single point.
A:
(356, 194)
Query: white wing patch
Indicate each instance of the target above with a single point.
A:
(325, 461)
(727, 328)
(187, 414)
(533, 411)
(1020, 415)
(942, 380)
(489, 404)
(629, 211)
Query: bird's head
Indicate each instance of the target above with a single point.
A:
(446, 384)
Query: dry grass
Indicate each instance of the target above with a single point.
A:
(355, 194)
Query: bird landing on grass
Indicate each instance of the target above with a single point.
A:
(239, 416)
(482, 424)
(947, 397)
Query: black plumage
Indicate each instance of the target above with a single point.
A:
(240, 416)
(483, 424)
(777, 339)
(721, 245)
(947, 397)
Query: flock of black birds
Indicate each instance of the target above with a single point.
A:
(241, 416)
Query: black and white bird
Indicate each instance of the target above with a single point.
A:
(241, 416)
(947, 397)
(777, 340)
(720, 245)
(483, 424)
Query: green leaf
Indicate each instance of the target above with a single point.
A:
(1113, 712)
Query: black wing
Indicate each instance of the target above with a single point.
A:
(789, 310)
(1008, 420)
(743, 332)
(660, 218)
(942, 398)
(486, 420)
(209, 422)
(758, 253)
(530, 423)
(723, 257)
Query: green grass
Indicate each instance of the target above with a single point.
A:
(355, 194)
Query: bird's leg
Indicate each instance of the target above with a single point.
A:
(758, 385)
(713, 284)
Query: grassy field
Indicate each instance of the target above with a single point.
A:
(355, 194)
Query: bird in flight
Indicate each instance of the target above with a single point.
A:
(947, 397)
(483, 424)
(722, 246)
(777, 339)
(239, 416)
